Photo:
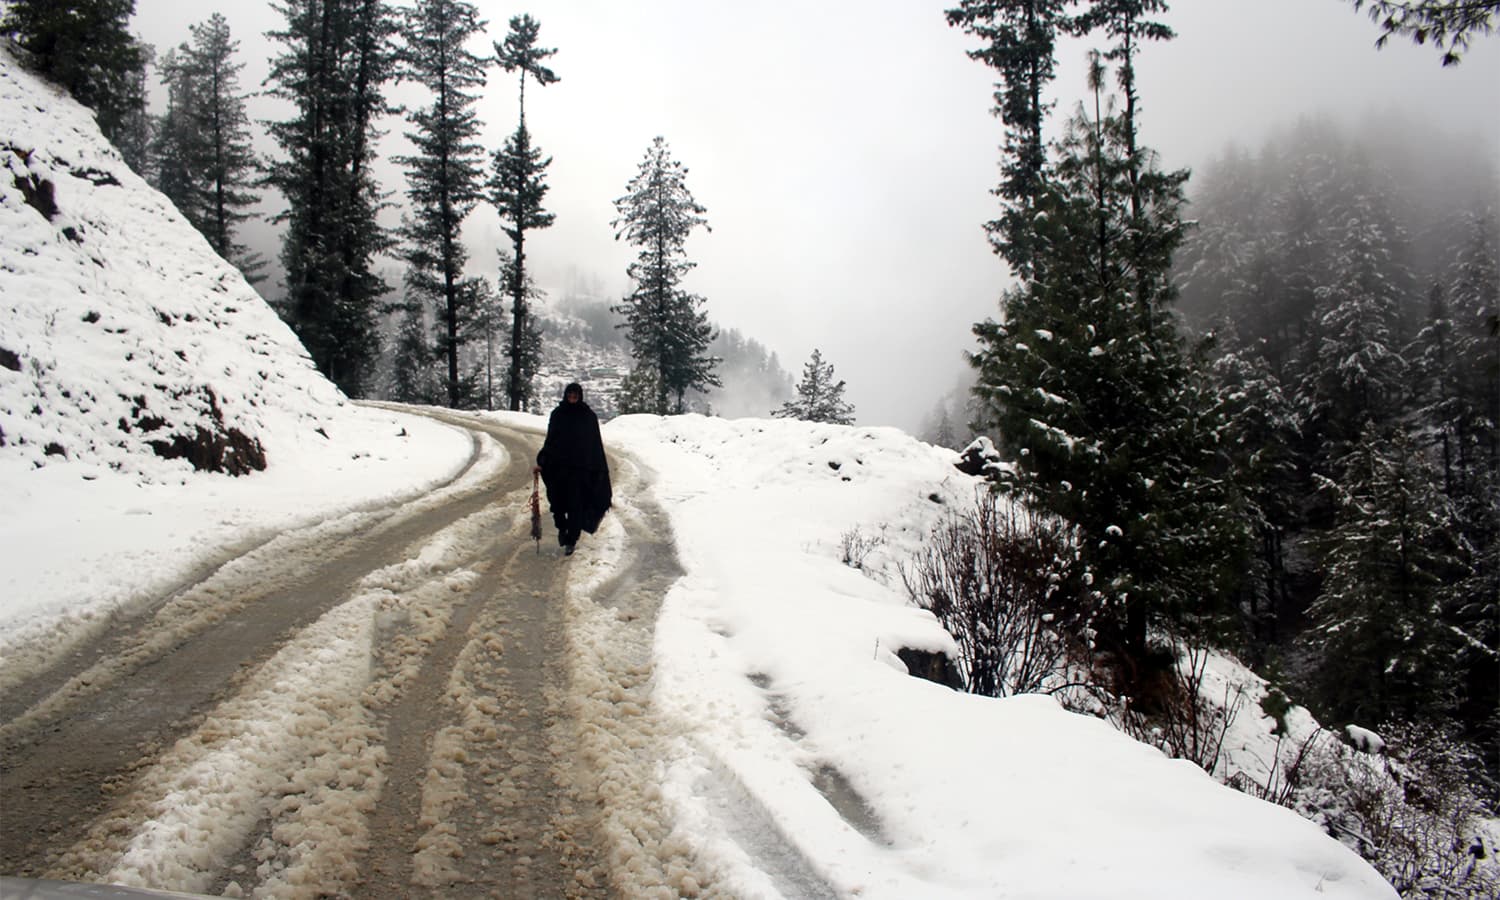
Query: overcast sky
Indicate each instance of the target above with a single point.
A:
(845, 150)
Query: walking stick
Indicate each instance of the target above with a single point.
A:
(536, 513)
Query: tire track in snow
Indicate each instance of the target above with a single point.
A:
(470, 805)
(653, 836)
(503, 740)
(46, 666)
(122, 701)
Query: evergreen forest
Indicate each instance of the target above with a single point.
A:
(1343, 285)
(443, 333)
(1253, 411)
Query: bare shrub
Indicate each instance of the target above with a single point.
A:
(1288, 769)
(1413, 813)
(1183, 721)
(855, 546)
(1003, 581)
(1421, 819)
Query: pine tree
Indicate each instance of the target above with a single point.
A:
(1355, 373)
(520, 54)
(523, 345)
(1304, 244)
(639, 391)
(1382, 647)
(1437, 392)
(338, 56)
(414, 368)
(1021, 39)
(85, 47)
(176, 148)
(517, 188)
(1468, 410)
(1108, 422)
(488, 328)
(939, 429)
(444, 177)
(1475, 304)
(1218, 262)
(1261, 438)
(1126, 22)
(137, 129)
(205, 163)
(669, 332)
(819, 397)
(1449, 24)
(230, 163)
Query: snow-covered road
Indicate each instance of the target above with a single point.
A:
(406, 699)
(399, 701)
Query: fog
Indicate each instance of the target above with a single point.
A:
(845, 150)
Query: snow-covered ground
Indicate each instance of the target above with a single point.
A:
(120, 328)
(799, 756)
(793, 727)
(776, 661)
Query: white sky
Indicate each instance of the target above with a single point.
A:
(845, 149)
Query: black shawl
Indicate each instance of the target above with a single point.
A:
(573, 464)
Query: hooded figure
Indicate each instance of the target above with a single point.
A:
(574, 469)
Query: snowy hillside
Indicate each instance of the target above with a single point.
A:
(132, 358)
(124, 340)
(777, 661)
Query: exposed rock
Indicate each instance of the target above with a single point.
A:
(981, 458)
(38, 194)
(936, 667)
(230, 451)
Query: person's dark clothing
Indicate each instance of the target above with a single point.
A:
(574, 469)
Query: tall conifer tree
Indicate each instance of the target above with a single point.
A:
(445, 179)
(1355, 373)
(137, 129)
(1378, 621)
(176, 148)
(205, 163)
(229, 164)
(1108, 422)
(1125, 21)
(668, 330)
(517, 187)
(337, 57)
(1020, 40)
(85, 47)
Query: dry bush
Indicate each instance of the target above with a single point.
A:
(1182, 720)
(1004, 582)
(855, 546)
(1412, 813)
(1290, 764)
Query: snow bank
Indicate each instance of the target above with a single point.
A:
(124, 337)
(775, 658)
(123, 334)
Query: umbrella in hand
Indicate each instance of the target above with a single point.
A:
(536, 513)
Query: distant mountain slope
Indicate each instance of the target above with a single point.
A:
(582, 343)
(124, 340)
